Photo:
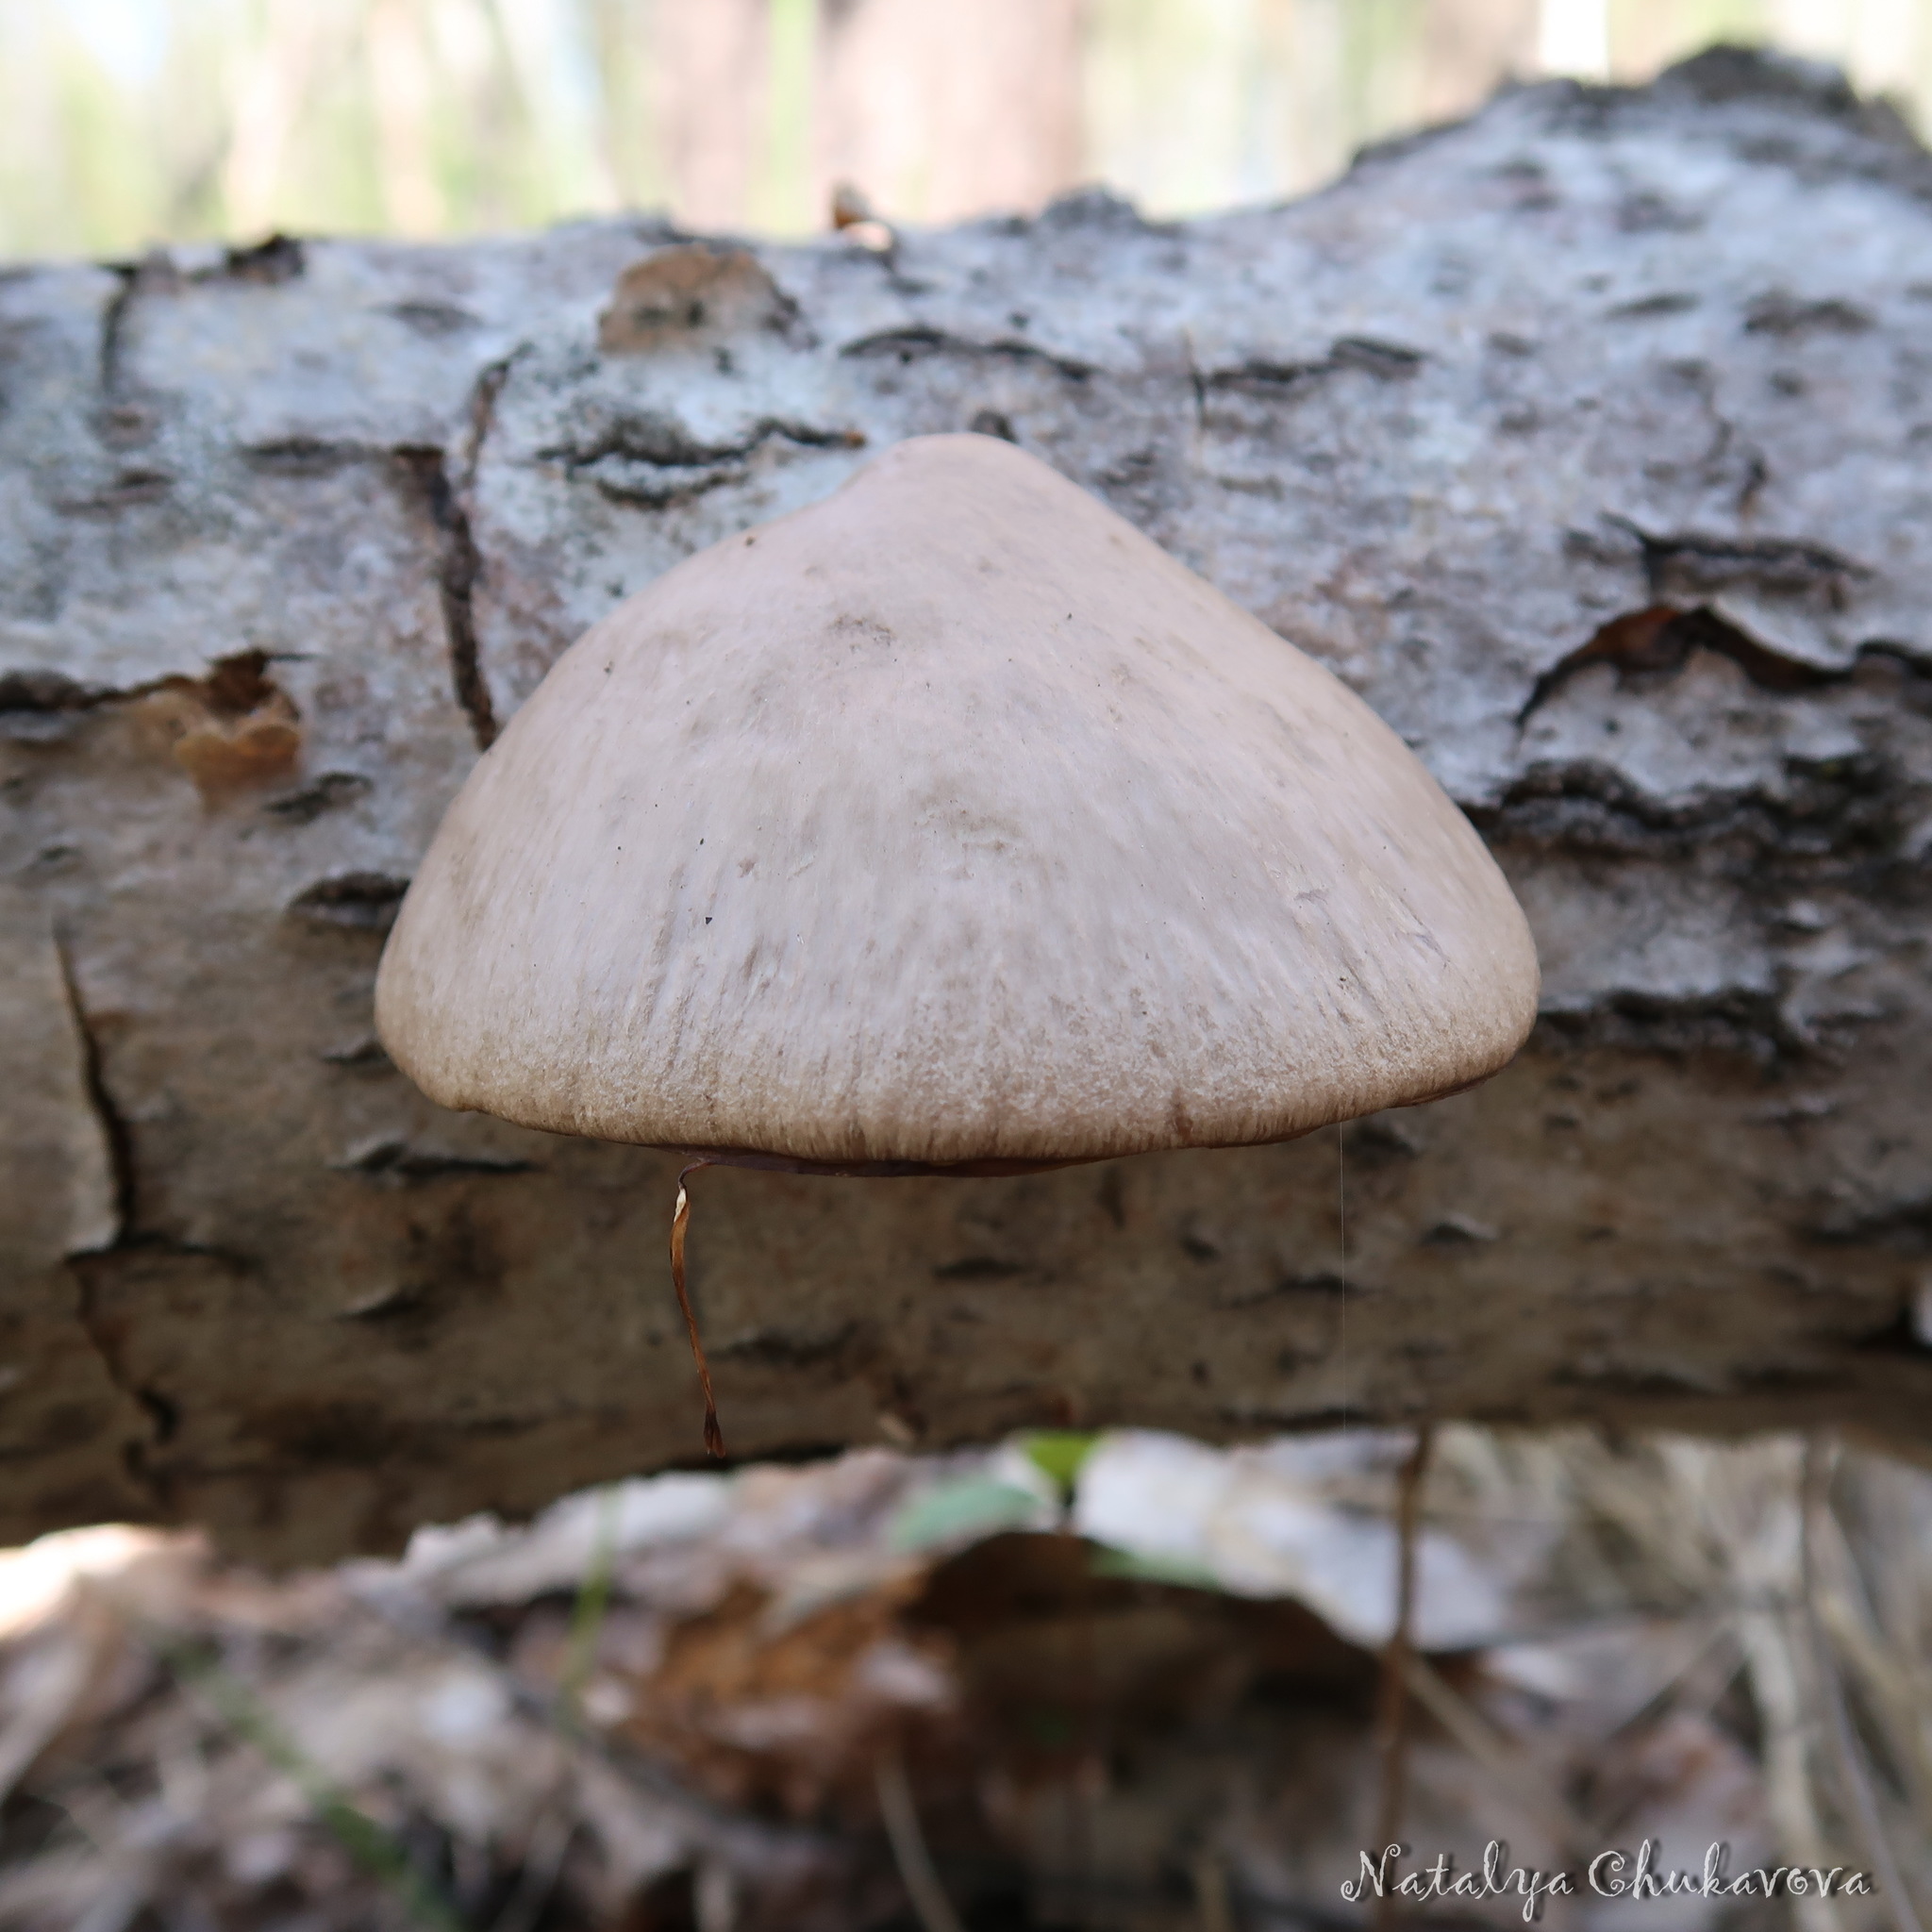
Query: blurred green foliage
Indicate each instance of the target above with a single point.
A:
(124, 123)
(961, 1511)
(1059, 1452)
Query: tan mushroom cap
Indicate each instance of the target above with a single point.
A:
(949, 820)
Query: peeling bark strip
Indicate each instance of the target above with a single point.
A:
(1592, 441)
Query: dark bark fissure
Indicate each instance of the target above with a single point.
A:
(231, 688)
(921, 341)
(1363, 355)
(115, 1133)
(161, 1414)
(456, 578)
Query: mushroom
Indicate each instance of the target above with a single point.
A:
(947, 827)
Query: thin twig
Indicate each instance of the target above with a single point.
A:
(1898, 1693)
(543, 1858)
(1393, 1720)
(592, 1606)
(1820, 1457)
(1501, 1757)
(680, 1221)
(1211, 1898)
(916, 1873)
(199, 1669)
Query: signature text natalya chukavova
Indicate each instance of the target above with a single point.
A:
(1612, 1874)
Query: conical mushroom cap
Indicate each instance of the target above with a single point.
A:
(949, 820)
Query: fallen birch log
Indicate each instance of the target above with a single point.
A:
(1589, 441)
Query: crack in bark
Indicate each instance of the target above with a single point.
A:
(162, 1412)
(790, 1348)
(444, 493)
(129, 489)
(1658, 642)
(994, 423)
(1197, 380)
(115, 1134)
(675, 488)
(362, 901)
(114, 326)
(432, 319)
(1780, 313)
(1366, 355)
(1791, 565)
(231, 687)
(45, 692)
(463, 561)
(1849, 811)
(920, 341)
(308, 455)
(1648, 307)
(661, 442)
(279, 259)
(329, 791)
(1904, 1227)
(163, 1416)
(683, 469)
(1733, 1019)
(461, 564)
(396, 1161)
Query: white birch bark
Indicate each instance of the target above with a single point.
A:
(1590, 440)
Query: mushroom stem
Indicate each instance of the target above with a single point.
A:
(680, 1221)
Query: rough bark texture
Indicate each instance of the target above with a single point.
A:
(1592, 441)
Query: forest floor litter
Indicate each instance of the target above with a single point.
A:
(1125, 1681)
